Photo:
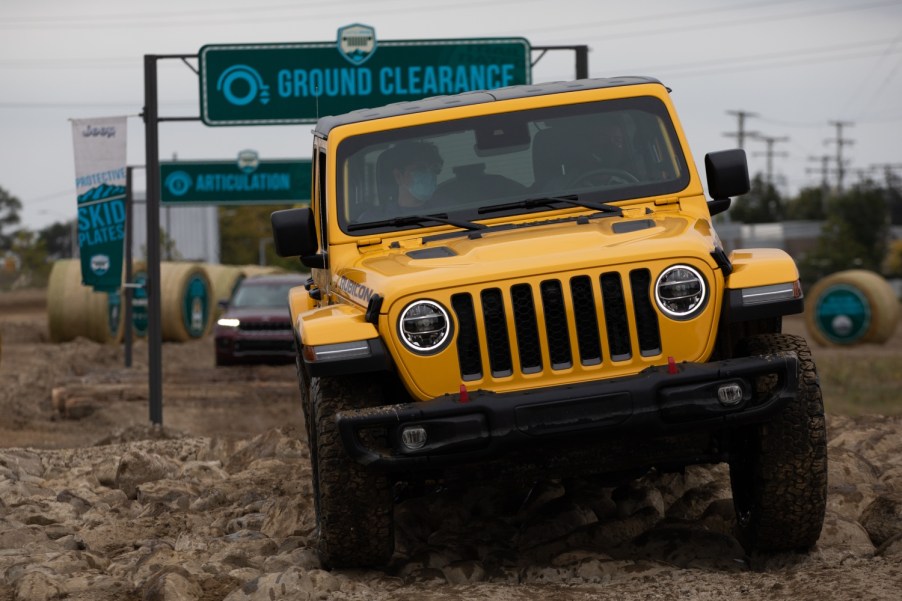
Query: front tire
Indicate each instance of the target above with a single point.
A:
(354, 506)
(778, 470)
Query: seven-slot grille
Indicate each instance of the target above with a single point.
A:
(541, 333)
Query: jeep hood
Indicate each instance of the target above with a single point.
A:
(456, 260)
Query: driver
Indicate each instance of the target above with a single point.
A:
(611, 151)
(407, 173)
(415, 167)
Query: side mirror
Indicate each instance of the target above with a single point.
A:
(728, 175)
(222, 304)
(294, 233)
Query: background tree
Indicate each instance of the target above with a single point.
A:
(59, 239)
(855, 234)
(32, 251)
(762, 204)
(9, 216)
(810, 205)
(244, 231)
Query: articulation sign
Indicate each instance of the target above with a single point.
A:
(224, 182)
(268, 84)
(100, 178)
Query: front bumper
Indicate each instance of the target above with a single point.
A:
(656, 402)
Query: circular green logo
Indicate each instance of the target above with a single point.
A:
(195, 310)
(842, 314)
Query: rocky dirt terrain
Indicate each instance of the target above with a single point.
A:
(97, 505)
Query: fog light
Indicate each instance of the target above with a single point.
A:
(413, 437)
(730, 394)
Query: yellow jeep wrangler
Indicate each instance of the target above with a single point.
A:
(526, 283)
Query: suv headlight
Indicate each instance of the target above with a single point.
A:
(680, 292)
(424, 326)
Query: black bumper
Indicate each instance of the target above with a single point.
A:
(655, 402)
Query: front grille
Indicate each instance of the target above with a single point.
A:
(556, 323)
(264, 346)
(265, 326)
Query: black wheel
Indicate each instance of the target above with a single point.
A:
(304, 388)
(354, 506)
(778, 470)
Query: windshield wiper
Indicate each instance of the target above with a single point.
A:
(417, 220)
(546, 201)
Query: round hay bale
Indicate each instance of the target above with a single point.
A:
(186, 299)
(252, 270)
(224, 279)
(851, 307)
(75, 310)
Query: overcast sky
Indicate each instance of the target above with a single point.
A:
(796, 65)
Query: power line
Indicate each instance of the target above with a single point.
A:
(730, 23)
(206, 18)
(664, 16)
(779, 55)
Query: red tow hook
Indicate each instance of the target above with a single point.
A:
(671, 366)
(464, 394)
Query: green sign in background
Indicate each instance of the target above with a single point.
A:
(223, 182)
(269, 84)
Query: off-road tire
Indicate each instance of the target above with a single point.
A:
(354, 506)
(778, 470)
(304, 389)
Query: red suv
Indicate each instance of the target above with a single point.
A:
(255, 326)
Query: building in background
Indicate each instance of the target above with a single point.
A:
(189, 232)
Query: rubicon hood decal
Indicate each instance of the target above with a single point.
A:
(355, 289)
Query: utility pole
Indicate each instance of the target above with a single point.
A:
(741, 134)
(840, 143)
(823, 171)
(770, 154)
(889, 172)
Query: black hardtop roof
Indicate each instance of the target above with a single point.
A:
(327, 123)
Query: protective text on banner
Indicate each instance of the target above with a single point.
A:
(100, 179)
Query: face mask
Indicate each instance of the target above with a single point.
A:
(422, 185)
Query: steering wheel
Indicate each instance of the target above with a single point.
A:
(604, 176)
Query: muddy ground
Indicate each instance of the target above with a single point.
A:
(95, 504)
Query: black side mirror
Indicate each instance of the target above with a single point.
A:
(294, 233)
(728, 175)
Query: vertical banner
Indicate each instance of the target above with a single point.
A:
(100, 170)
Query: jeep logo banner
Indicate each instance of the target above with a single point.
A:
(100, 168)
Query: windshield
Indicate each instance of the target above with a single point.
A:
(262, 295)
(602, 151)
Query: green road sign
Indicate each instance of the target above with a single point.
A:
(224, 182)
(269, 84)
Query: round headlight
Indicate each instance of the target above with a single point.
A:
(680, 291)
(424, 326)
